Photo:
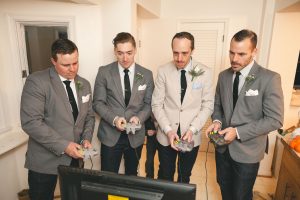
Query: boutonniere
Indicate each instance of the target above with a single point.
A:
(196, 71)
(79, 85)
(250, 78)
(139, 76)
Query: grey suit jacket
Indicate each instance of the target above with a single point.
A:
(109, 102)
(254, 116)
(46, 116)
(196, 107)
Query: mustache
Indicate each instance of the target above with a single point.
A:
(235, 63)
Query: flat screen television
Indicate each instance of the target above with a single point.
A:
(85, 184)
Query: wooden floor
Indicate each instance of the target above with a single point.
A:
(264, 187)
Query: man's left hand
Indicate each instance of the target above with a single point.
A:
(86, 144)
(188, 136)
(230, 134)
(134, 120)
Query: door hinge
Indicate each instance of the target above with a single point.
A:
(24, 73)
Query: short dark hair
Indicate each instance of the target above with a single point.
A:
(244, 34)
(123, 37)
(62, 46)
(186, 35)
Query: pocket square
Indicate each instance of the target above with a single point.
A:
(197, 85)
(85, 98)
(251, 92)
(142, 87)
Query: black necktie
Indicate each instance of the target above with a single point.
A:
(72, 99)
(183, 84)
(127, 87)
(235, 93)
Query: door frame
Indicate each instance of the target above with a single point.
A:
(17, 37)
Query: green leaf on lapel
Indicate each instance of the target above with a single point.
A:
(79, 85)
(196, 71)
(139, 77)
(250, 78)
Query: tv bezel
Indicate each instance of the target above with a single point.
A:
(74, 182)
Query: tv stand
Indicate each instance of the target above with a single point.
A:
(288, 184)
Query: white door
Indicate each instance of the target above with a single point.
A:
(209, 40)
(209, 43)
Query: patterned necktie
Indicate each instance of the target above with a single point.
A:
(235, 93)
(72, 100)
(183, 84)
(127, 87)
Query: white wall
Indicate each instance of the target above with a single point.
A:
(284, 54)
(117, 17)
(152, 6)
(86, 33)
(157, 33)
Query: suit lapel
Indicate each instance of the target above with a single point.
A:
(59, 88)
(228, 87)
(115, 74)
(188, 88)
(136, 83)
(79, 97)
(246, 85)
(175, 82)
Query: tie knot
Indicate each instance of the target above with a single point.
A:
(237, 73)
(67, 83)
(126, 71)
(183, 72)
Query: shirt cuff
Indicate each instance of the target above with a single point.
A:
(114, 124)
(237, 134)
(193, 129)
(167, 129)
(218, 122)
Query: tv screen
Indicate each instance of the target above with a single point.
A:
(85, 184)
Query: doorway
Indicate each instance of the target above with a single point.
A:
(38, 41)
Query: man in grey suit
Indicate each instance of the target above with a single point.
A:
(56, 113)
(122, 94)
(248, 105)
(182, 101)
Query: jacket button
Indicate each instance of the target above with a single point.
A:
(176, 123)
(181, 110)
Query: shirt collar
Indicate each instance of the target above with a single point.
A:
(245, 71)
(188, 67)
(64, 79)
(131, 68)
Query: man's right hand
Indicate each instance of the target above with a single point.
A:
(151, 132)
(120, 123)
(72, 150)
(215, 126)
(172, 135)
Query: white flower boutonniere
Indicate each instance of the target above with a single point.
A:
(139, 76)
(196, 71)
(250, 78)
(79, 85)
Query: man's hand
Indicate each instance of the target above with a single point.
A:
(172, 135)
(135, 120)
(188, 136)
(151, 132)
(72, 150)
(230, 134)
(86, 144)
(215, 126)
(120, 123)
